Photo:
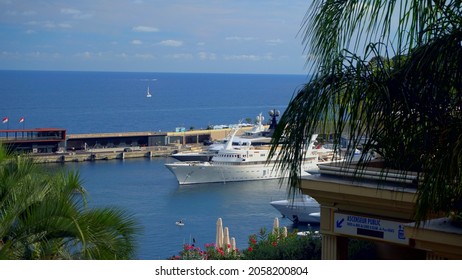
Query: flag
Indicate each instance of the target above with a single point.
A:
(5, 120)
(21, 120)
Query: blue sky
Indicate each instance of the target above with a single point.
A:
(223, 36)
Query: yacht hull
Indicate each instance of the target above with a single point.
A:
(306, 211)
(209, 172)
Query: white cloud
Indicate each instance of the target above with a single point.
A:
(207, 56)
(89, 55)
(41, 55)
(29, 13)
(273, 41)
(249, 57)
(64, 25)
(76, 14)
(86, 55)
(49, 24)
(171, 43)
(137, 42)
(144, 56)
(10, 54)
(180, 56)
(237, 38)
(142, 28)
(70, 11)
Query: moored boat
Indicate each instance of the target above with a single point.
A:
(304, 209)
(244, 162)
(259, 135)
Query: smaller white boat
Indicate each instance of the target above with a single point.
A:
(148, 93)
(304, 209)
(179, 223)
(256, 135)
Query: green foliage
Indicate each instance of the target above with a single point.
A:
(271, 246)
(399, 88)
(265, 246)
(361, 250)
(44, 215)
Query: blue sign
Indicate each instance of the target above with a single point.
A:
(370, 227)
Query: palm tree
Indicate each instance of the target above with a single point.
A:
(44, 216)
(389, 72)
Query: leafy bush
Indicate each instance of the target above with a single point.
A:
(274, 246)
(264, 246)
(211, 252)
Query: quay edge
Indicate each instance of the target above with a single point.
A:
(54, 145)
(99, 155)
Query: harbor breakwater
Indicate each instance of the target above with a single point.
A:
(110, 146)
(105, 154)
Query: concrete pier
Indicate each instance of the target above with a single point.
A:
(55, 145)
(101, 154)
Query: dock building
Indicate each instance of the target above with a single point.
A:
(56, 140)
(380, 210)
(37, 140)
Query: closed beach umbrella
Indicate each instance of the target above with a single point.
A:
(276, 226)
(226, 238)
(284, 232)
(219, 234)
(233, 243)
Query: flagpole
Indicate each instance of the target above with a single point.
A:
(6, 120)
(22, 120)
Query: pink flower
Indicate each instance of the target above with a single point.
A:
(250, 249)
(275, 244)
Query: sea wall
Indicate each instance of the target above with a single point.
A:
(104, 154)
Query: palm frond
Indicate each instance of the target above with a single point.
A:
(407, 104)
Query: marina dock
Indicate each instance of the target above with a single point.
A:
(104, 154)
(52, 145)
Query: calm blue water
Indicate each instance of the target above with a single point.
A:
(87, 102)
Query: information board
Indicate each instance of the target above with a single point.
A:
(370, 227)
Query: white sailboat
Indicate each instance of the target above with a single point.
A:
(148, 93)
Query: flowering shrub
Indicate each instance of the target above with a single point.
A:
(273, 246)
(264, 246)
(211, 252)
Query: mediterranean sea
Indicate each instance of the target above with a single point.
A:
(98, 102)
